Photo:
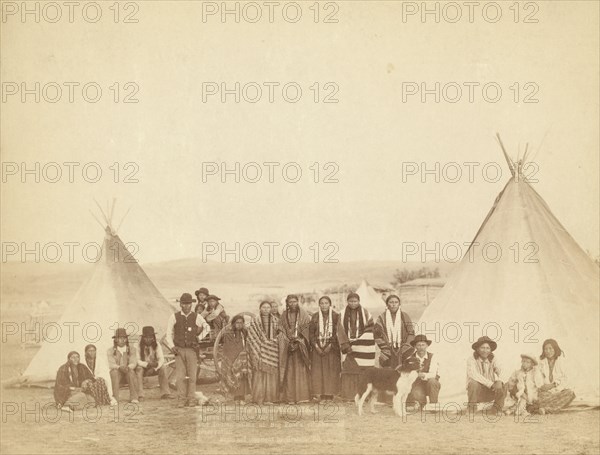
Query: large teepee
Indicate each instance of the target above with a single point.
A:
(523, 280)
(117, 294)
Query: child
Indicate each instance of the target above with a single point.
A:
(523, 385)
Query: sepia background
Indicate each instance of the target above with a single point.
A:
(367, 51)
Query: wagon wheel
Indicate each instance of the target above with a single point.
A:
(218, 350)
(169, 362)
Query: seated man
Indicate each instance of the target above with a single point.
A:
(151, 362)
(483, 376)
(122, 361)
(427, 383)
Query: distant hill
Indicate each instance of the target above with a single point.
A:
(23, 283)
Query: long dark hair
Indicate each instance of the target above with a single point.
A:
(557, 350)
(153, 345)
(90, 363)
(115, 346)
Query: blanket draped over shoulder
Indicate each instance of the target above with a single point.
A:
(235, 363)
(293, 337)
(69, 376)
(363, 343)
(390, 355)
(263, 346)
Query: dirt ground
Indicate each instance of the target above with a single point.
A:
(30, 424)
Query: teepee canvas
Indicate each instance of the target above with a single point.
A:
(369, 297)
(117, 294)
(523, 280)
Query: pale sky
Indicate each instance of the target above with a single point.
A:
(369, 133)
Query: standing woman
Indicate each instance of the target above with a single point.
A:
(554, 394)
(96, 386)
(264, 355)
(358, 326)
(393, 333)
(327, 340)
(294, 358)
(236, 375)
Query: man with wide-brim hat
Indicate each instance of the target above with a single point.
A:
(151, 362)
(215, 315)
(122, 360)
(427, 383)
(185, 329)
(483, 376)
(202, 296)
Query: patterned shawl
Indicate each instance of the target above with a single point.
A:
(262, 344)
(363, 346)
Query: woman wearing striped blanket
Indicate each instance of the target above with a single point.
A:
(327, 342)
(358, 327)
(393, 333)
(264, 353)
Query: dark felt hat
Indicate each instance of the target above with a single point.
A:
(483, 340)
(186, 298)
(148, 331)
(202, 291)
(120, 332)
(212, 297)
(420, 338)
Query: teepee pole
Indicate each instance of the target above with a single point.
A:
(102, 212)
(112, 210)
(123, 219)
(526, 152)
(511, 165)
(92, 213)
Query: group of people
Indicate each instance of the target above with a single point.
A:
(538, 387)
(294, 357)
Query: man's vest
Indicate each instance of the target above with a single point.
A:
(186, 330)
(426, 362)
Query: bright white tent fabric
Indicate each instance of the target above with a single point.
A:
(369, 298)
(117, 294)
(543, 285)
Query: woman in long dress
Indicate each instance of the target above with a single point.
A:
(328, 340)
(264, 355)
(294, 358)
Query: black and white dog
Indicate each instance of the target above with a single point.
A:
(395, 381)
